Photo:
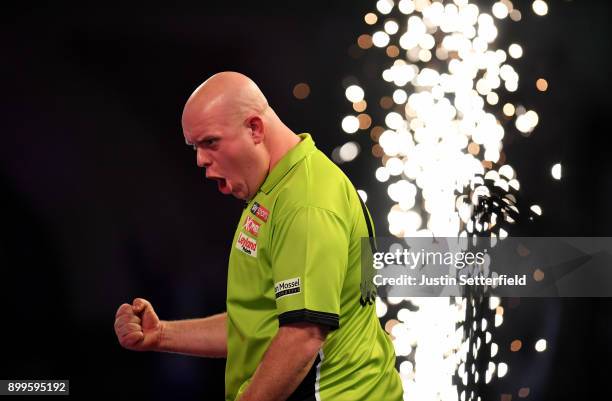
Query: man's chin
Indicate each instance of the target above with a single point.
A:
(240, 195)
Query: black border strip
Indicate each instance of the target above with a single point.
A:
(330, 320)
(366, 215)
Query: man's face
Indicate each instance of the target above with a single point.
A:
(229, 153)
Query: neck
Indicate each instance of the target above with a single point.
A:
(285, 141)
(280, 142)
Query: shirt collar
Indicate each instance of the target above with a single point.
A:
(286, 163)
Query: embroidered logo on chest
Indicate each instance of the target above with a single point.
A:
(247, 245)
(251, 226)
(260, 211)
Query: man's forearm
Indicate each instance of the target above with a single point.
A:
(198, 337)
(286, 363)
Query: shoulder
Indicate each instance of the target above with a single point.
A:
(316, 183)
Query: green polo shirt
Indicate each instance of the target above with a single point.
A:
(296, 258)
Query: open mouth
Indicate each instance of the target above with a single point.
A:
(222, 185)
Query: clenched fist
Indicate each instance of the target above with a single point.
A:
(137, 326)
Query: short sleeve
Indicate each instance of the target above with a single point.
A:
(309, 262)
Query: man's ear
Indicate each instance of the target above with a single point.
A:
(256, 125)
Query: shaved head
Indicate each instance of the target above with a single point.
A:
(228, 94)
(237, 136)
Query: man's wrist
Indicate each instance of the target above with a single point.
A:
(162, 342)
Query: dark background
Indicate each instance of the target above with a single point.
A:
(103, 202)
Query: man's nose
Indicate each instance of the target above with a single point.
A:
(202, 159)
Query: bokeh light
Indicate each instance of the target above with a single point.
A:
(442, 113)
(301, 91)
(540, 7)
(542, 84)
(556, 171)
(370, 18)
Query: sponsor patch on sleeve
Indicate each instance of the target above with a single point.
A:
(287, 287)
(260, 211)
(247, 245)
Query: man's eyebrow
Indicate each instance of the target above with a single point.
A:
(206, 137)
(200, 140)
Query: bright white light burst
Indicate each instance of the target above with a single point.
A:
(442, 130)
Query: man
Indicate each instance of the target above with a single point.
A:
(295, 328)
